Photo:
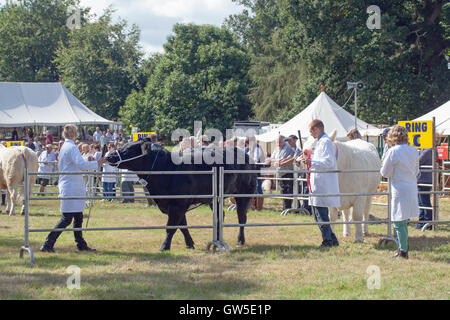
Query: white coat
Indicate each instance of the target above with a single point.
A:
(324, 158)
(401, 165)
(70, 160)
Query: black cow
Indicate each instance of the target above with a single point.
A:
(141, 156)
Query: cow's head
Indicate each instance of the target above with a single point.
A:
(131, 156)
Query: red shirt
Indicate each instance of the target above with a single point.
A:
(48, 138)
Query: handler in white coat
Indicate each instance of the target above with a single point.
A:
(322, 159)
(70, 160)
(401, 165)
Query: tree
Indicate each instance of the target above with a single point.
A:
(100, 64)
(30, 32)
(202, 76)
(402, 64)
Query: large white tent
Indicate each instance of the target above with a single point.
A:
(325, 109)
(442, 118)
(43, 104)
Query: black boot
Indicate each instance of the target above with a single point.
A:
(82, 246)
(47, 247)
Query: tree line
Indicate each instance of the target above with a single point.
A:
(265, 63)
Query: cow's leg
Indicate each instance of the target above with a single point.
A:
(8, 203)
(187, 236)
(242, 207)
(12, 200)
(357, 215)
(347, 227)
(366, 214)
(175, 218)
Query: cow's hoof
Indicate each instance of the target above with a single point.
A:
(359, 241)
(191, 247)
(346, 234)
(164, 250)
(240, 244)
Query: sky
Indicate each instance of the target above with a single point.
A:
(155, 18)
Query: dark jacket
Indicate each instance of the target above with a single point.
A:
(425, 159)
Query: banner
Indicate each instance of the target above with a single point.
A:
(420, 133)
(141, 135)
(14, 143)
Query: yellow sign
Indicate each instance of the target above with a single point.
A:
(14, 143)
(420, 133)
(141, 135)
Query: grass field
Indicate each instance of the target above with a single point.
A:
(276, 262)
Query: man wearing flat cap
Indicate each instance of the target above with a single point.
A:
(47, 161)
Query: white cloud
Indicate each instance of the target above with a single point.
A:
(156, 18)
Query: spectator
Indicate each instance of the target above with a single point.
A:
(15, 135)
(37, 143)
(109, 180)
(323, 158)
(30, 133)
(302, 185)
(47, 162)
(425, 159)
(97, 134)
(282, 159)
(60, 144)
(48, 138)
(401, 165)
(31, 145)
(257, 155)
(354, 134)
(71, 186)
(127, 186)
(386, 145)
(39, 150)
(104, 139)
(109, 135)
(115, 135)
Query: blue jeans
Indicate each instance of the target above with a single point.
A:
(424, 201)
(108, 189)
(328, 236)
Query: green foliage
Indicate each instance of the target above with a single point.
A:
(202, 76)
(30, 32)
(100, 64)
(402, 64)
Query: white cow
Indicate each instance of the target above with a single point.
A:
(13, 161)
(352, 155)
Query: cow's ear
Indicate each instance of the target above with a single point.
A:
(333, 135)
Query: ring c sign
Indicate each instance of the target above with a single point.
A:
(141, 135)
(420, 133)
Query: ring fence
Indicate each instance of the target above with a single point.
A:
(218, 196)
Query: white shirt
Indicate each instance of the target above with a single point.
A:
(324, 158)
(401, 165)
(129, 177)
(46, 157)
(108, 168)
(70, 160)
(97, 135)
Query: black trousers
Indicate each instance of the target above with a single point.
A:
(287, 188)
(66, 220)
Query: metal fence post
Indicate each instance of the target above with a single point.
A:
(26, 246)
(215, 203)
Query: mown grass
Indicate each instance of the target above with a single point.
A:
(276, 262)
